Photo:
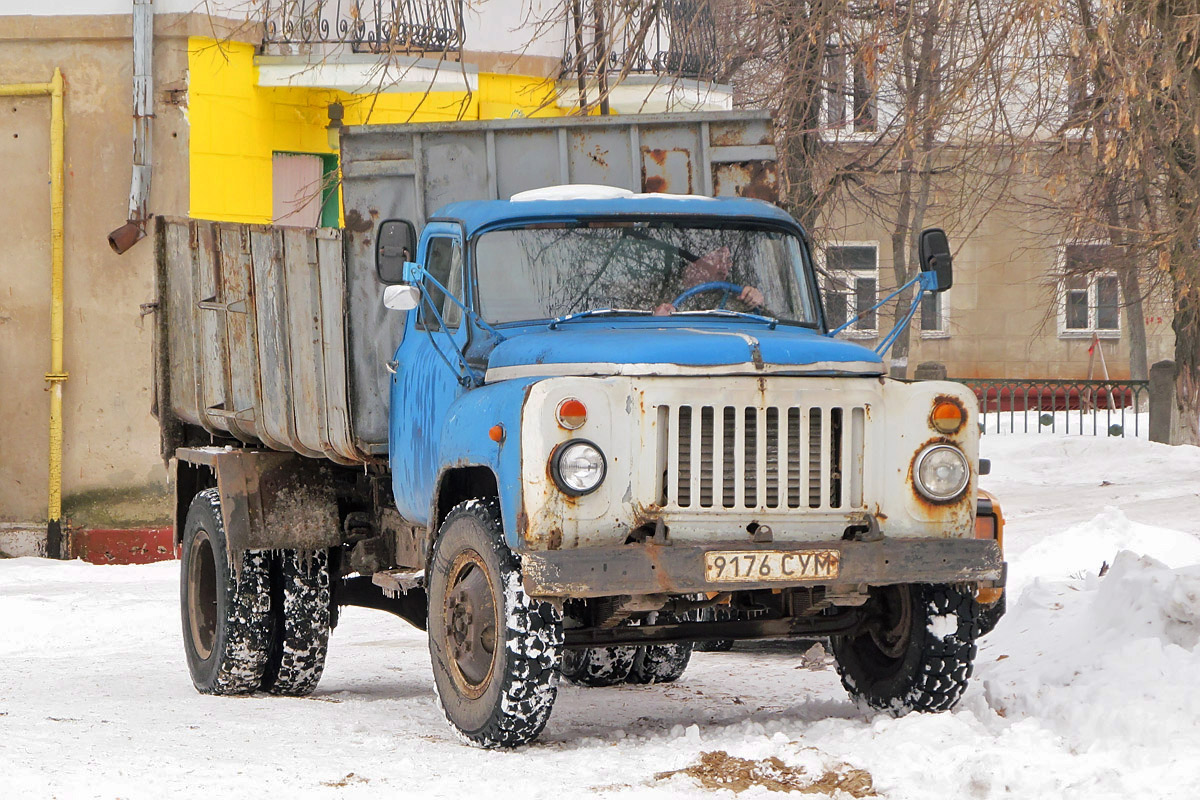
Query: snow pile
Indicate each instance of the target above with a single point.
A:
(1108, 663)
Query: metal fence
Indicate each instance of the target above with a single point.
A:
(368, 26)
(1096, 408)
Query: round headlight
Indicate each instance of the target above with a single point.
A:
(941, 472)
(578, 467)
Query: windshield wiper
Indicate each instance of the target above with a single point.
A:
(594, 312)
(771, 321)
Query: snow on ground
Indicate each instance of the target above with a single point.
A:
(1087, 689)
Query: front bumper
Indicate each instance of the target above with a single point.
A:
(637, 569)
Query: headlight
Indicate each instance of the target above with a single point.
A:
(941, 472)
(578, 467)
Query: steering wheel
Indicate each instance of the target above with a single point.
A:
(710, 286)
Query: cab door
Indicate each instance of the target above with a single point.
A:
(428, 371)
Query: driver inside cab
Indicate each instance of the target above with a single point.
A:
(715, 266)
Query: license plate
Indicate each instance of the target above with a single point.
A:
(724, 566)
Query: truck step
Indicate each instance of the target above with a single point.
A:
(396, 582)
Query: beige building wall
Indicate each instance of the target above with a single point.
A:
(1002, 318)
(112, 476)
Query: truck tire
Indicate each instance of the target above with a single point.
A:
(302, 623)
(920, 655)
(227, 622)
(598, 666)
(660, 663)
(495, 649)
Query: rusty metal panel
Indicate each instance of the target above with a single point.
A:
(651, 569)
(276, 428)
(303, 309)
(211, 354)
(256, 337)
(178, 336)
(241, 340)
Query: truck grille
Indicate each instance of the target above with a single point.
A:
(751, 457)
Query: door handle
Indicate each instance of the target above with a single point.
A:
(392, 366)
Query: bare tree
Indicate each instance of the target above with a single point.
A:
(1131, 145)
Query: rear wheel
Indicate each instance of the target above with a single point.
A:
(302, 623)
(916, 650)
(660, 663)
(495, 649)
(227, 623)
(598, 666)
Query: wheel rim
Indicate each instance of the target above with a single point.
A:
(472, 623)
(891, 635)
(202, 595)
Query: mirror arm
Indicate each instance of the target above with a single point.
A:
(415, 273)
(927, 282)
(875, 307)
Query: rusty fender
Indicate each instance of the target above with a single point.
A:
(271, 500)
(651, 569)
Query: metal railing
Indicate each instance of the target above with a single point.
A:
(368, 26)
(674, 38)
(1097, 408)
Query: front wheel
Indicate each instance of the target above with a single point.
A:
(915, 652)
(495, 649)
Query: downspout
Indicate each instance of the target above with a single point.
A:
(57, 375)
(134, 230)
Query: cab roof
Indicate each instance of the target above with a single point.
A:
(543, 205)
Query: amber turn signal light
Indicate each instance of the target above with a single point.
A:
(571, 414)
(946, 417)
(496, 433)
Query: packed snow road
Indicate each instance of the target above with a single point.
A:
(1088, 688)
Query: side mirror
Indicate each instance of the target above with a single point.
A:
(393, 247)
(401, 297)
(933, 250)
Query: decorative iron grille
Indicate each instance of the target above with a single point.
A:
(368, 26)
(675, 38)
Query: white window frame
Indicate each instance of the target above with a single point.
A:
(1060, 299)
(848, 276)
(847, 129)
(943, 329)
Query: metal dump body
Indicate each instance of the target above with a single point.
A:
(278, 335)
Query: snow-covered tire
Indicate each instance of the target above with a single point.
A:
(920, 655)
(660, 663)
(990, 614)
(497, 689)
(598, 666)
(227, 622)
(302, 623)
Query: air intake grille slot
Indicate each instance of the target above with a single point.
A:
(747, 457)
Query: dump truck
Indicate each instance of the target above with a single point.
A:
(561, 393)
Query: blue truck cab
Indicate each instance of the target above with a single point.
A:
(618, 427)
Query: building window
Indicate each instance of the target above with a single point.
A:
(934, 323)
(1091, 292)
(849, 95)
(851, 286)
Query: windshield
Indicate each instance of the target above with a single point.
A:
(547, 271)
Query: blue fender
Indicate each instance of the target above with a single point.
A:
(465, 443)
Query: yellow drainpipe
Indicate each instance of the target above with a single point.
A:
(57, 375)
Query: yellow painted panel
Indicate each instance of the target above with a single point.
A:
(237, 126)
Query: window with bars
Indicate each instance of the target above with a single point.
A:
(1091, 292)
(852, 285)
